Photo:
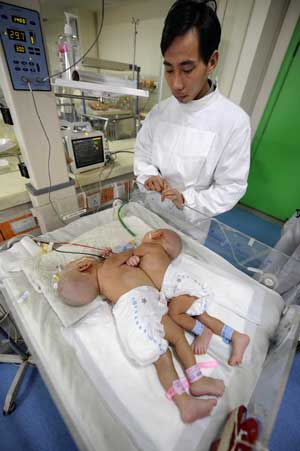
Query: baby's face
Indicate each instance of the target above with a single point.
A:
(78, 283)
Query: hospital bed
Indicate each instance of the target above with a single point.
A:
(107, 402)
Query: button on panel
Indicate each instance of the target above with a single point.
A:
(27, 55)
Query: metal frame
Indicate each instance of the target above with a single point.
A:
(21, 357)
(117, 66)
(81, 440)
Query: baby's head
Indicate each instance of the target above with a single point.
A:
(78, 284)
(168, 239)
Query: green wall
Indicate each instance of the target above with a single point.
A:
(274, 179)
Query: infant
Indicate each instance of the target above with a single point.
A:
(188, 298)
(143, 325)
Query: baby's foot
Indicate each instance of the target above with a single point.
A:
(239, 344)
(194, 409)
(207, 386)
(200, 344)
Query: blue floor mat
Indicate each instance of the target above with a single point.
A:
(286, 432)
(265, 231)
(35, 425)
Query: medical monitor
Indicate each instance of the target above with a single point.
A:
(87, 150)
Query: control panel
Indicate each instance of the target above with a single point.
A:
(23, 46)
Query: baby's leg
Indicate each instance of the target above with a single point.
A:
(177, 308)
(190, 409)
(201, 342)
(238, 340)
(199, 384)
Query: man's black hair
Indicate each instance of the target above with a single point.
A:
(183, 16)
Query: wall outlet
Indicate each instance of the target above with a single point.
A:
(93, 200)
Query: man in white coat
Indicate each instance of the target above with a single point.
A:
(194, 147)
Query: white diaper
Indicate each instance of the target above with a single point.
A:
(176, 283)
(138, 316)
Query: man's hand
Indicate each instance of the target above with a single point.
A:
(155, 183)
(175, 196)
(134, 260)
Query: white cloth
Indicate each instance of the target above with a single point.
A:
(177, 283)
(12, 260)
(201, 148)
(138, 316)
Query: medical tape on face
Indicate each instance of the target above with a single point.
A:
(177, 388)
(227, 333)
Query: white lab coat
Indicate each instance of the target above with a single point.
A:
(201, 148)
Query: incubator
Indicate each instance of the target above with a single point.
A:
(86, 148)
(94, 386)
(231, 262)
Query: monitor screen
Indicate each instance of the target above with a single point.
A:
(88, 151)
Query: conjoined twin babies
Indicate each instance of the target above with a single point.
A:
(153, 304)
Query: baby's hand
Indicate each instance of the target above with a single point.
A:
(134, 260)
(106, 252)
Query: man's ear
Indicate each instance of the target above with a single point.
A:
(213, 61)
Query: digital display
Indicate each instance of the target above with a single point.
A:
(16, 35)
(88, 151)
(32, 37)
(17, 19)
(20, 48)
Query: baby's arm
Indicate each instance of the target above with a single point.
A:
(119, 259)
(142, 250)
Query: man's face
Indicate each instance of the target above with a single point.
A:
(185, 71)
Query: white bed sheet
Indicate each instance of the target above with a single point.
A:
(136, 398)
(137, 395)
